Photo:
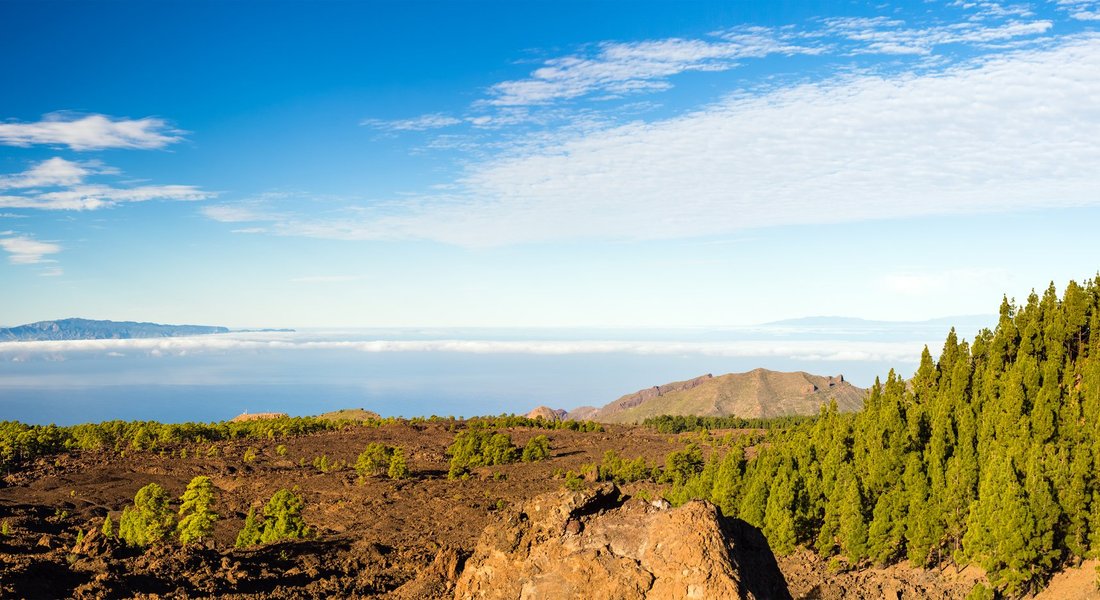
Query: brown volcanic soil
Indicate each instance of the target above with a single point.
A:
(383, 538)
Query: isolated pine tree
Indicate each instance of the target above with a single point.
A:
(108, 527)
(283, 518)
(398, 469)
(251, 532)
(149, 520)
(537, 449)
(196, 517)
(374, 460)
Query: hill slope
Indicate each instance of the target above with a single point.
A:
(88, 329)
(758, 393)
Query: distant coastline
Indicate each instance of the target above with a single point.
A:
(91, 329)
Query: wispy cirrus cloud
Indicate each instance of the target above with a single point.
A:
(892, 36)
(1081, 10)
(613, 70)
(60, 184)
(421, 123)
(1010, 132)
(620, 68)
(90, 132)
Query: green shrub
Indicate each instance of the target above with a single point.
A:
(249, 455)
(537, 449)
(477, 448)
(280, 450)
(682, 465)
(574, 482)
(615, 468)
(325, 465)
(108, 527)
(981, 592)
(149, 520)
(196, 517)
(374, 460)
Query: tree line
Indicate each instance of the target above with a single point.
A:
(990, 454)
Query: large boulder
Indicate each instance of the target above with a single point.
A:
(592, 544)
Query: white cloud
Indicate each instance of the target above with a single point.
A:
(51, 172)
(90, 132)
(1004, 134)
(91, 197)
(25, 250)
(421, 123)
(75, 193)
(617, 68)
(235, 213)
(1081, 10)
(890, 36)
(817, 350)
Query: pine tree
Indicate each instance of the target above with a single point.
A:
(537, 449)
(251, 532)
(108, 527)
(283, 518)
(374, 460)
(853, 524)
(1001, 526)
(727, 482)
(398, 468)
(196, 518)
(886, 533)
(920, 521)
(149, 520)
(781, 511)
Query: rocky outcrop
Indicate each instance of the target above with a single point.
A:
(593, 544)
(656, 391)
(545, 412)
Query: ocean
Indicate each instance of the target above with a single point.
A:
(414, 372)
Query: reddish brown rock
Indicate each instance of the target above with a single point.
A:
(589, 544)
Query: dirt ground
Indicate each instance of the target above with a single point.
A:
(379, 538)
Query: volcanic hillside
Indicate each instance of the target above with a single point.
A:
(756, 394)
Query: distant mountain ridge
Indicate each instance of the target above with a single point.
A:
(759, 393)
(90, 329)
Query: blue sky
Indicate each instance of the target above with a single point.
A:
(543, 163)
